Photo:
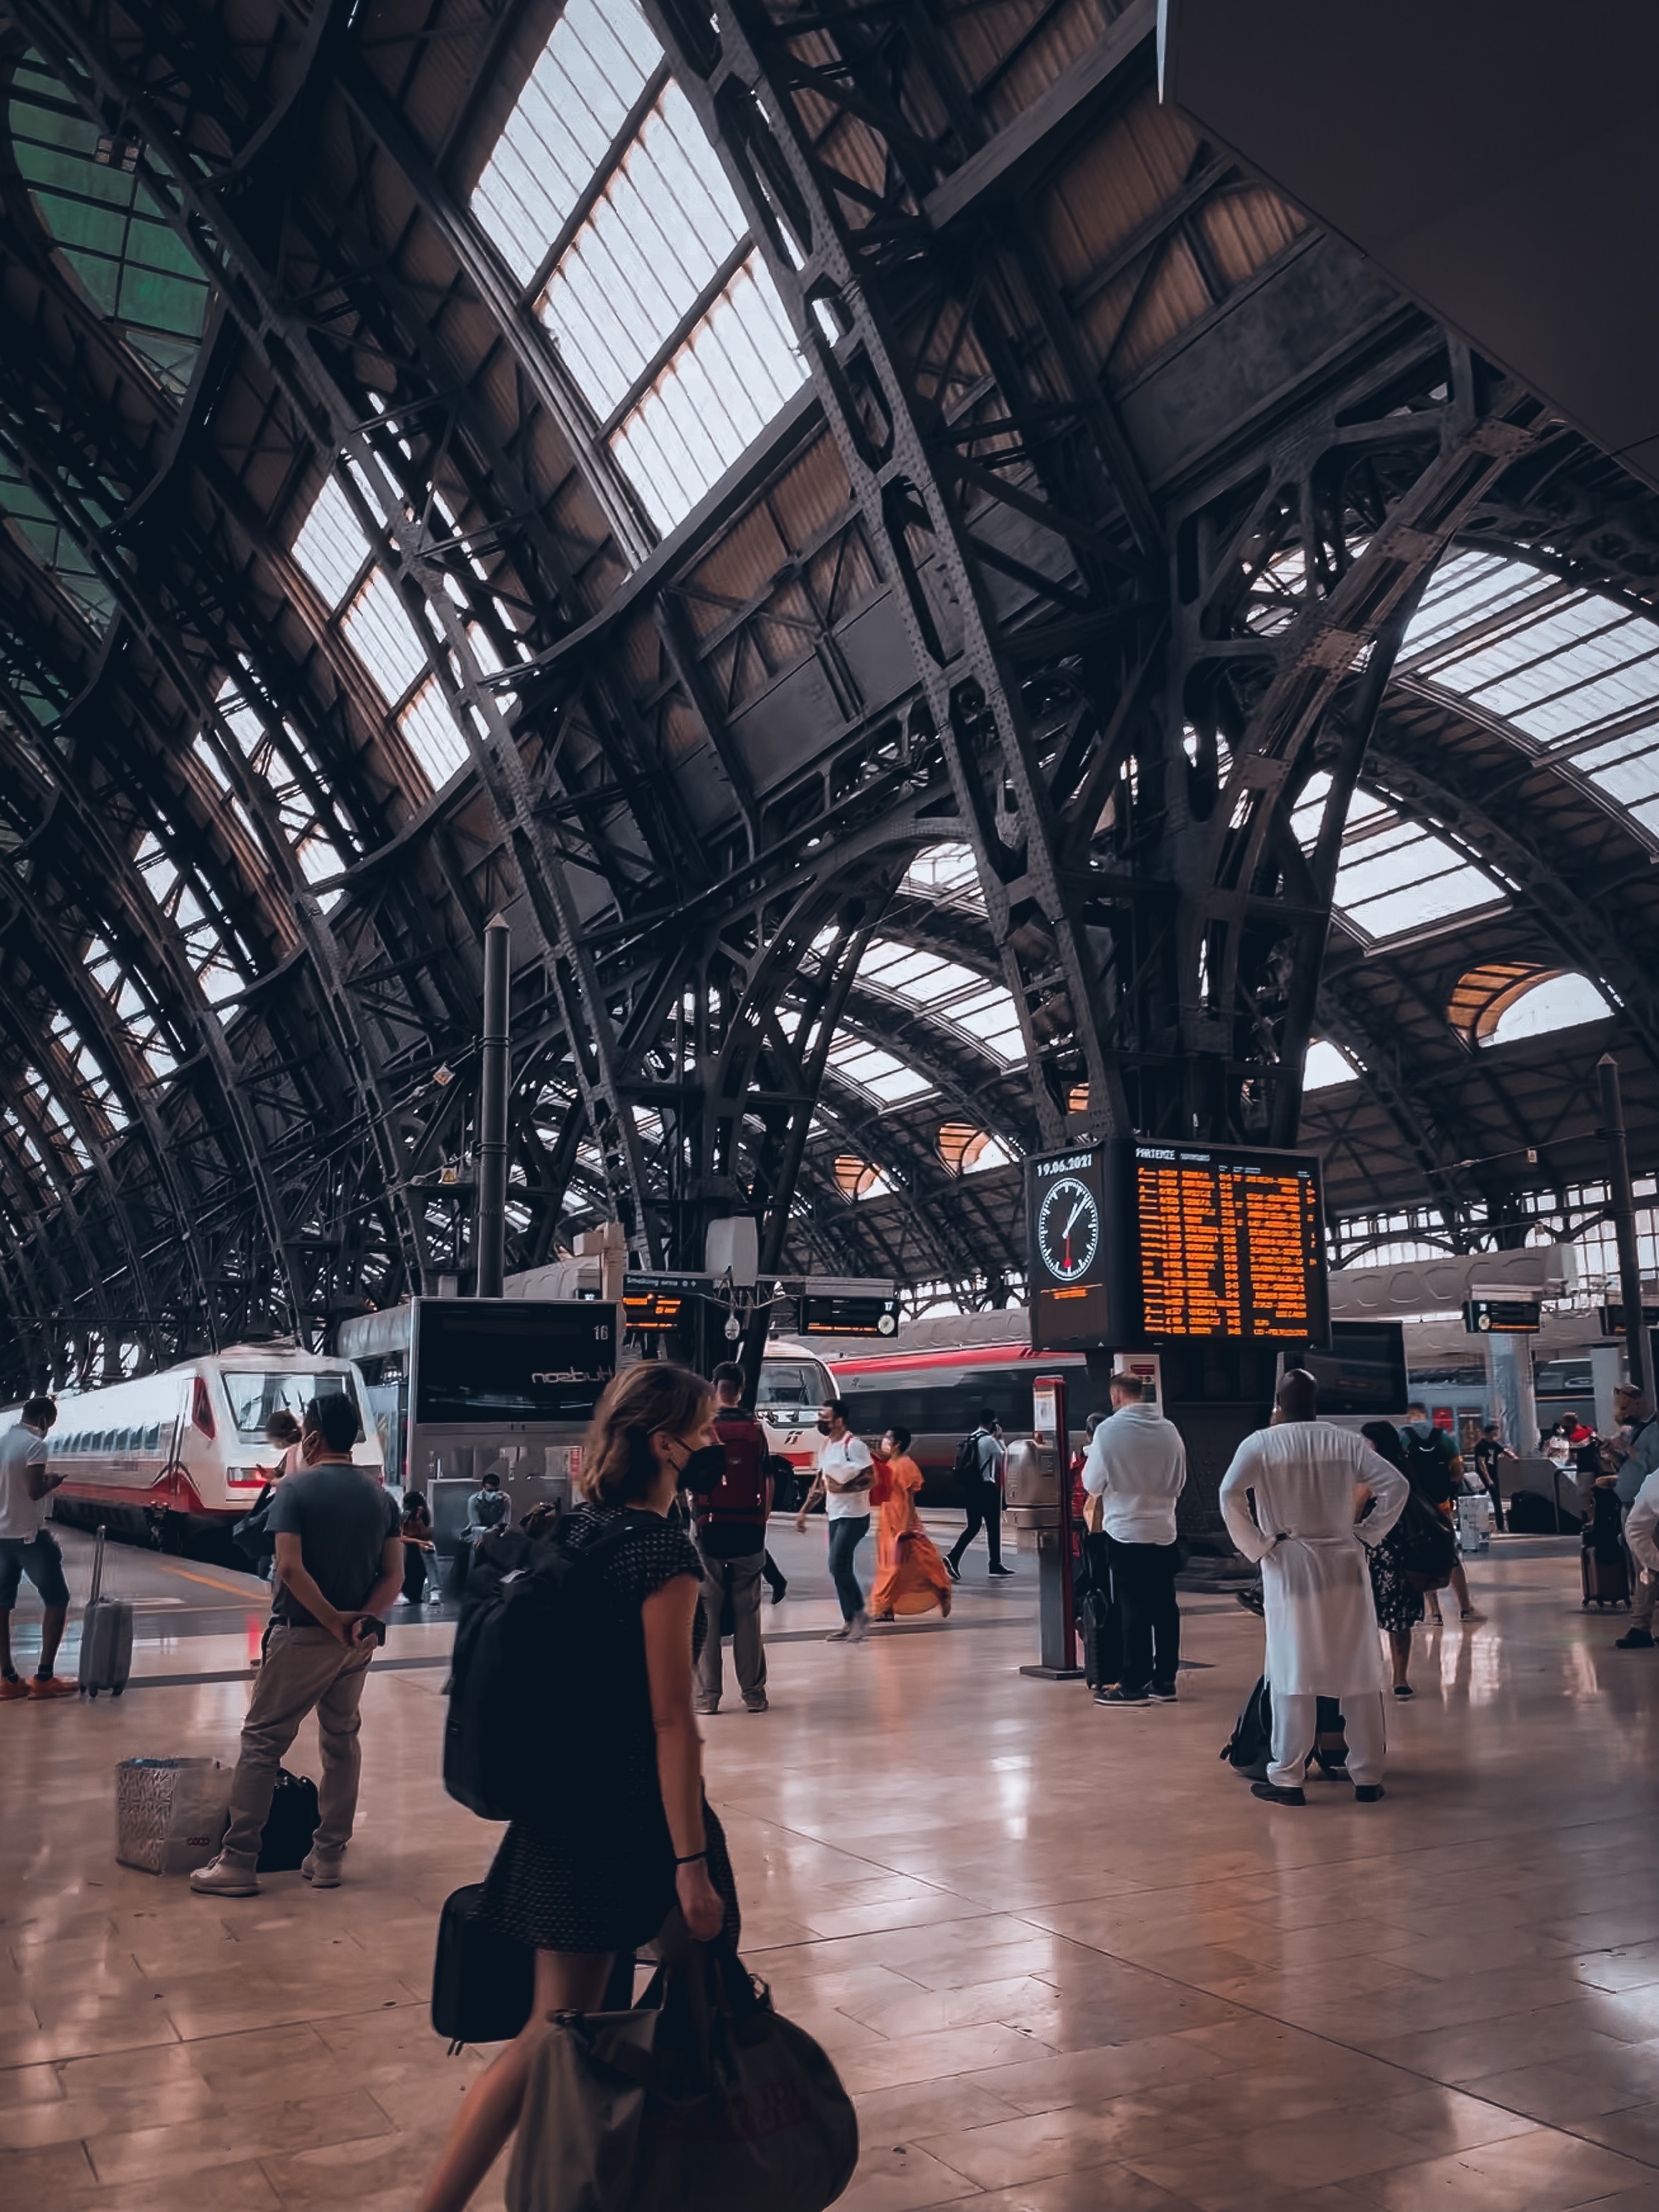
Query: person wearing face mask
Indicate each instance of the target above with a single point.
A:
(846, 1473)
(1434, 1469)
(635, 1836)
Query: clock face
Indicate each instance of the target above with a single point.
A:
(1068, 1229)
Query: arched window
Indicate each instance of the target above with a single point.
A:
(1504, 1001)
(966, 1150)
(125, 257)
(857, 1178)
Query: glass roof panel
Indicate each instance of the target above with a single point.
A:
(1326, 1066)
(672, 333)
(86, 192)
(380, 631)
(1394, 876)
(589, 74)
(433, 739)
(1565, 666)
(33, 521)
(330, 547)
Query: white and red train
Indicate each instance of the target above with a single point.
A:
(182, 1453)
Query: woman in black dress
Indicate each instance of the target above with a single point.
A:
(1399, 1606)
(638, 1837)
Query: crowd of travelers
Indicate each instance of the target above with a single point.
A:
(1353, 1534)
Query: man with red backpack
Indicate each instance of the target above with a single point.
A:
(731, 1517)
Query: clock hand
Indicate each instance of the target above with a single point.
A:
(1076, 1210)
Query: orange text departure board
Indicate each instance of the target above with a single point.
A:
(1229, 1243)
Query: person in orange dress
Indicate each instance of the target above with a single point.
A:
(910, 1575)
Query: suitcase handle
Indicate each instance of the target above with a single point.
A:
(98, 1568)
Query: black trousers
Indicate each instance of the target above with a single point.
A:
(984, 1502)
(1143, 1579)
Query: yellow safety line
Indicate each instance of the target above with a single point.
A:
(208, 1580)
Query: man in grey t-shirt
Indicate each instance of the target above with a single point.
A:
(339, 1565)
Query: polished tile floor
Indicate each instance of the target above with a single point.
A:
(1062, 1957)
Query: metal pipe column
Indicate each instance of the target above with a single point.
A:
(491, 1256)
(1637, 1352)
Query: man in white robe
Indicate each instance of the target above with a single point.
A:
(1310, 1480)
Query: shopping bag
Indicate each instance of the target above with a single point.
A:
(170, 1814)
(701, 2098)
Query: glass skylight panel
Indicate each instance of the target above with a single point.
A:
(665, 221)
(1326, 1066)
(876, 1071)
(714, 398)
(591, 71)
(433, 737)
(939, 870)
(379, 630)
(661, 253)
(1556, 662)
(332, 546)
(1408, 881)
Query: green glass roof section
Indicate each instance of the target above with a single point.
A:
(55, 548)
(100, 216)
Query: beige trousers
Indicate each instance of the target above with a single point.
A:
(306, 1670)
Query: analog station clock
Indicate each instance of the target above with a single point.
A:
(1068, 1229)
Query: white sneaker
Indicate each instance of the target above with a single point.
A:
(323, 1870)
(858, 1628)
(222, 1877)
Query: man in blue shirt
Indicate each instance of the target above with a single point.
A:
(1640, 1457)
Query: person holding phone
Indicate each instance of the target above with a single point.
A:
(339, 1568)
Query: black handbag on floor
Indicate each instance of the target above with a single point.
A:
(483, 1984)
(291, 1825)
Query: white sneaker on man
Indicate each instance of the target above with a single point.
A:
(858, 1628)
(223, 1877)
(323, 1870)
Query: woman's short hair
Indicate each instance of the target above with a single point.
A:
(900, 1435)
(618, 1465)
(282, 1428)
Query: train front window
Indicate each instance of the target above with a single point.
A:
(796, 1386)
(255, 1397)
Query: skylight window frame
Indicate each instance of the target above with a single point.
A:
(598, 185)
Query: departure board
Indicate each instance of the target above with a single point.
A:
(1229, 1243)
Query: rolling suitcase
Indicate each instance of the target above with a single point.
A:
(483, 1984)
(1607, 1576)
(106, 1636)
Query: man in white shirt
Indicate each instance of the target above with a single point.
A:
(1641, 1526)
(1137, 1467)
(28, 1547)
(1310, 1480)
(844, 1478)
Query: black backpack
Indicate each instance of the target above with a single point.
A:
(966, 1468)
(1425, 1545)
(1426, 1464)
(535, 1620)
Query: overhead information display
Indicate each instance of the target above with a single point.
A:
(1230, 1243)
(1135, 1243)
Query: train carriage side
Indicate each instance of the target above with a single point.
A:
(181, 1455)
(940, 1396)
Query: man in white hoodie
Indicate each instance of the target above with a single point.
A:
(1310, 1480)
